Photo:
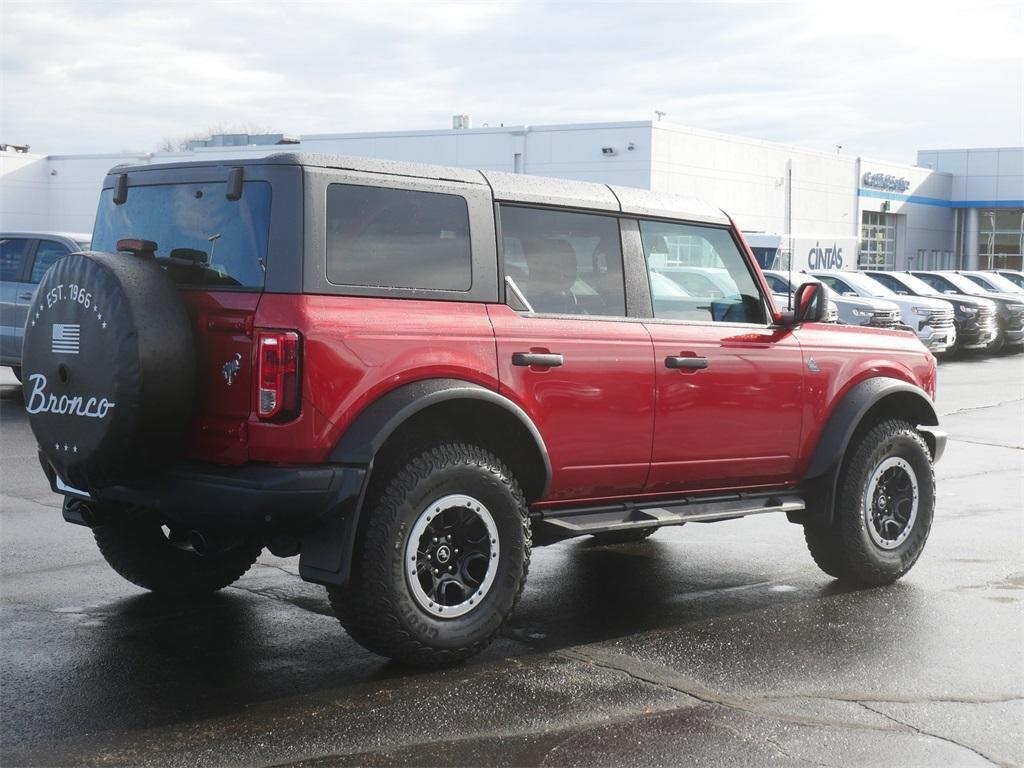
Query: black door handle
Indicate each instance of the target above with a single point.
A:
(544, 360)
(26, 295)
(691, 363)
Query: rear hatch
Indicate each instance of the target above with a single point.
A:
(212, 239)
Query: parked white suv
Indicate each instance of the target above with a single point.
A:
(931, 319)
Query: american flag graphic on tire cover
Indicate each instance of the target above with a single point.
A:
(65, 338)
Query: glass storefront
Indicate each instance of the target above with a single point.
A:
(1000, 238)
(877, 241)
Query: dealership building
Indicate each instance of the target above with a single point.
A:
(953, 208)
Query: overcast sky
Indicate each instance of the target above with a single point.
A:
(881, 79)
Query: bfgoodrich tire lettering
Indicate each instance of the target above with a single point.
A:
(849, 549)
(378, 607)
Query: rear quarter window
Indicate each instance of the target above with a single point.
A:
(384, 237)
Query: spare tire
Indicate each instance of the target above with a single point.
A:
(109, 369)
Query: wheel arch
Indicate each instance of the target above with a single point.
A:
(405, 418)
(867, 403)
(454, 408)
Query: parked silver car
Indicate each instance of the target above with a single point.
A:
(24, 259)
(851, 310)
(930, 318)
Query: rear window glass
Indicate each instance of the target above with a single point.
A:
(203, 239)
(399, 238)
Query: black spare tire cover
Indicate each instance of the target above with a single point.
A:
(108, 369)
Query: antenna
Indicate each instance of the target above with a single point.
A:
(789, 225)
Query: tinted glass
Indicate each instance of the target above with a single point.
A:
(836, 284)
(777, 285)
(398, 238)
(12, 257)
(1016, 279)
(868, 285)
(708, 265)
(961, 283)
(564, 263)
(202, 237)
(937, 283)
(890, 282)
(47, 252)
(996, 283)
(917, 285)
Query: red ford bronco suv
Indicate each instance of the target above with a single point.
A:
(408, 375)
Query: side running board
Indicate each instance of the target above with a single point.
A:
(563, 524)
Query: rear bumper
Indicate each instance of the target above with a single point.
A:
(254, 498)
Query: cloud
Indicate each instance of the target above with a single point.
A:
(882, 79)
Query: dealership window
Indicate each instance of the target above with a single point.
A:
(877, 241)
(1001, 238)
(378, 236)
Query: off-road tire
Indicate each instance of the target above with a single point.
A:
(628, 536)
(377, 607)
(142, 554)
(845, 549)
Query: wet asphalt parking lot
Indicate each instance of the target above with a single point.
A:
(707, 644)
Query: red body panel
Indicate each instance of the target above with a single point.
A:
(845, 356)
(223, 327)
(736, 422)
(356, 349)
(616, 422)
(596, 411)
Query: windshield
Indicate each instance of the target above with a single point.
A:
(996, 282)
(918, 286)
(202, 237)
(964, 285)
(869, 285)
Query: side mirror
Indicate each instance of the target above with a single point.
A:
(810, 304)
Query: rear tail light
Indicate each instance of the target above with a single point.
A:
(277, 375)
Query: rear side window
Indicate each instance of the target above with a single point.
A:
(400, 238)
(564, 263)
(12, 257)
(47, 252)
(708, 265)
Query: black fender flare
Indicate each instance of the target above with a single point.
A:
(326, 553)
(375, 424)
(820, 480)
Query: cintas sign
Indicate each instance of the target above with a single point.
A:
(825, 258)
(885, 181)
